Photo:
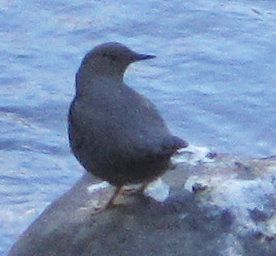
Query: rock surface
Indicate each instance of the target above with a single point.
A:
(224, 207)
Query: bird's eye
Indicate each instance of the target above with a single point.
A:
(110, 56)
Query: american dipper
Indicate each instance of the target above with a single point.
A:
(116, 133)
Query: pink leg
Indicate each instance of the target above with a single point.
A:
(110, 202)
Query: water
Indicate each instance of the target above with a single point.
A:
(213, 81)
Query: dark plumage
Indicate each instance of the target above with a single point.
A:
(116, 133)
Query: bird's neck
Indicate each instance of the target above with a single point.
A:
(87, 82)
(101, 71)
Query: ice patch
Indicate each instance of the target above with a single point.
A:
(98, 186)
(158, 190)
(240, 197)
(193, 155)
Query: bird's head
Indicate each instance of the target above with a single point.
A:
(111, 59)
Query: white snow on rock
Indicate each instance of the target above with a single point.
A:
(158, 190)
(251, 202)
(192, 155)
(98, 186)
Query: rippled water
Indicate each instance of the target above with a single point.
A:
(214, 82)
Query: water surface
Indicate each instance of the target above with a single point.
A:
(213, 81)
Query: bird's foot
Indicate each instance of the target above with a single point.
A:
(109, 204)
(102, 208)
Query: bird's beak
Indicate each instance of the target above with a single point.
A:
(138, 57)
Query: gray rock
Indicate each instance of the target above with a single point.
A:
(225, 207)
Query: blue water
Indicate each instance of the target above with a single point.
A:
(214, 82)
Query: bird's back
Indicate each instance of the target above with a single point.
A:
(118, 135)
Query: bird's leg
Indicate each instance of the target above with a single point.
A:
(115, 194)
(140, 189)
(110, 202)
(120, 190)
(144, 186)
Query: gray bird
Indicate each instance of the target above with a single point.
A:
(116, 133)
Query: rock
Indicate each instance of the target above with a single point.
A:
(221, 207)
